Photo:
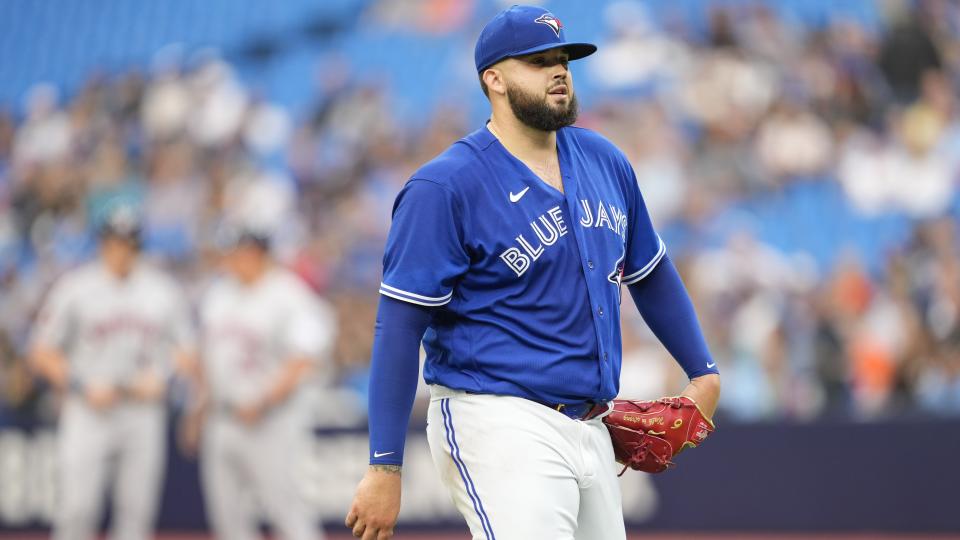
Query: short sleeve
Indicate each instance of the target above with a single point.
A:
(311, 329)
(56, 319)
(644, 248)
(425, 256)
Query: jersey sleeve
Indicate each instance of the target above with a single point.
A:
(311, 328)
(57, 318)
(644, 248)
(425, 255)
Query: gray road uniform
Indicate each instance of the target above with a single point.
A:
(249, 333)
(111, 331)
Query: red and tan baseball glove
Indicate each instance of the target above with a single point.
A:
(648, 434)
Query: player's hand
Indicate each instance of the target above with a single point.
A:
(147, 387)
(101, 396)
(58, 375)
(189, 433)
(250, 413)
(376, 504)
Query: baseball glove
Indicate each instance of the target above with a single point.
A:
(648, 434)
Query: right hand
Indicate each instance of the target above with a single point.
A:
(250, 414)
(190, 432)
(101, 396)
(376, 505)
(147, 387)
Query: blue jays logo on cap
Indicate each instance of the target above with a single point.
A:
(519, 30)
(551, 21)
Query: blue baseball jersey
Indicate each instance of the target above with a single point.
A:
(526, 279)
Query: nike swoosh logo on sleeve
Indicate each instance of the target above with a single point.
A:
(518, 196)
(381, 454)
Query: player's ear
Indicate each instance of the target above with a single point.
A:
(494, 81)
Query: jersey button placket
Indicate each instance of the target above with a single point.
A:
(600, 311)
(590, 265)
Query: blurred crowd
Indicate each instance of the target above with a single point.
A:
(747, 106)
(756, 106)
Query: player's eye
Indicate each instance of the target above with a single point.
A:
(539, 60)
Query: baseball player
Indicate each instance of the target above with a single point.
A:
(506, 255)
(107, 337)
(263, 333)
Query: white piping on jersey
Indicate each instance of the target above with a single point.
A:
(413, 298)
(411, 301)
(417, 296)
(642, 273)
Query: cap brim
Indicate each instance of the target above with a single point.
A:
(133, 238)
(229, 241)
(575, 50)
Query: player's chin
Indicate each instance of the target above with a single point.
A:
(558, 106)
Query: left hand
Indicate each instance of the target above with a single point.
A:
(101, 396)
(190, 431)
(250, 413)
(646, 435)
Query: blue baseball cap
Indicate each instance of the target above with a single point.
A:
(521, 30)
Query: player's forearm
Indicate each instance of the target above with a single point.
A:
(665, 306)
(294, 372)
(51, 365)
(190, 369)
(394, 370)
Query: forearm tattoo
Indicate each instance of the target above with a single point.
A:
(391, 469)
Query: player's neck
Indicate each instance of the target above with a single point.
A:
(253, 273)
(120, 274)
(119, 269)
(521, 140)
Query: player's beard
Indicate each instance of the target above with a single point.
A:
(537, 113)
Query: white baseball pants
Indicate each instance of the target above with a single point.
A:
(518, 470)
(241, 464)
(126, 444)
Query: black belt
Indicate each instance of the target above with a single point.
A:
(580, 411)
(586, 410)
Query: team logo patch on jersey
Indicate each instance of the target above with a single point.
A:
(551, 21)
(616, 276)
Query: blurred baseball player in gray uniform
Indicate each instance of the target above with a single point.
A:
(107, 337)
(263, 333)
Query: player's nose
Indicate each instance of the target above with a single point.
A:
(559, 73)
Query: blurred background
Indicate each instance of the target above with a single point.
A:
(800, 159)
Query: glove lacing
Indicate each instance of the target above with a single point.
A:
(639, 455)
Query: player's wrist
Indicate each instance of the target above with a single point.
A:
(386, 468)
(704, 391)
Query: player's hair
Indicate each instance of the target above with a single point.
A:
(483, 86)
